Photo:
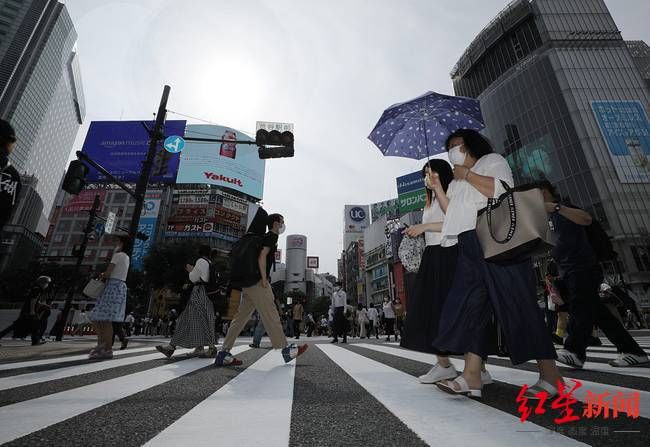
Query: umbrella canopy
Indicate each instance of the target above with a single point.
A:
(419, 128)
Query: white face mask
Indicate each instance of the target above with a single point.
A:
(456, 157)
(281, 229)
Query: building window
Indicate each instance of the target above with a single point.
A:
(641, 256)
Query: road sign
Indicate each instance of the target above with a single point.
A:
(174, 144)
(268, 125)
(110, 223)
(99, 229)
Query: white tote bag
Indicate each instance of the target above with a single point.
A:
(94, 288)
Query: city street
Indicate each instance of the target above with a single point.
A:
(365, 392)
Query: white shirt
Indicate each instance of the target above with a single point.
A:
(465, 200)
(129, 319)
(372, 314)
(200, 272)
(388, 310)
(362, 316)
(433, 214)
(339, 299)
(120, 261)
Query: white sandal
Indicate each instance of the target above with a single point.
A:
(539, 387)
(464, 388)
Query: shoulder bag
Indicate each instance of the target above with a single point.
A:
(94, 288)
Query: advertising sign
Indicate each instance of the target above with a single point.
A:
(625, 128)
(235, 206)
(388, 208)
(278, 255)
(534, 161)
(312, 262)
(361, 258)
(357, 218)
(296, 241)
(223, 164)
(148, 218)
(411, 193)
(84, 201)
(111, 220)
(121, 147)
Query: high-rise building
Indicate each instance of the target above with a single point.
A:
(563, 99)
(640, 52)
(40, 90)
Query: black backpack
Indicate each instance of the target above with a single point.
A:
(244, 267)
(213, 286)
(600, 242)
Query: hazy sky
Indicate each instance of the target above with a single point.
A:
(330, 67)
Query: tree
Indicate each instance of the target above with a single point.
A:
(319, 306)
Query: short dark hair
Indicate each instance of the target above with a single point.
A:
(475, 143)
(7, 133)
(126, 241)
(273, 218)
(204, 250)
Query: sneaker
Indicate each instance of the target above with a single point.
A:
(438, 373)
(292, 351)
(570, 359)
(253, 345)
(624, 360)
(167, 350)
(198, 351)
(225, 358)
(486, 378)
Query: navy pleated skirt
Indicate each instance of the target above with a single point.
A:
(425, 303)
(482, 289)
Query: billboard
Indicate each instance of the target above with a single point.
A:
(312, 262)
(411, 192)
(296, 241)
(223, 164)
(625, 128)
(388, 208)
(147, 225)
(121, 147)
(535, 161)
(356, 218)
(84, 201)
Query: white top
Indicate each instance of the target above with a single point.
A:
(121, 262)
(339, 299)
(433, 214)
(200, 272)
(388, 310)
(465, 200)
(362, 315)
(373, 314)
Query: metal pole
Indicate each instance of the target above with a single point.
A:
(82, 253)
(141, 186)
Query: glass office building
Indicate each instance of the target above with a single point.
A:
(40, 90)
(563, 99)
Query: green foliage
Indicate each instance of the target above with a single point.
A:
(318, 306)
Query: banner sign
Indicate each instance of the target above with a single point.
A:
(148, 219)
(410, 182)
(84, 201)
(312, 262)
(625, 128)
(411, 192)
(121, 147)
(388, 208)
(227, 165)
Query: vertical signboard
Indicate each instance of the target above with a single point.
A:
(147, 226)
(411, 192)
(388, 208)
(625, 128)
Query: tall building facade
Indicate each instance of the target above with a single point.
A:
(563, 99)
(40, 90)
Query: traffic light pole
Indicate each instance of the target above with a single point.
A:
(80, 257)
(141, 187)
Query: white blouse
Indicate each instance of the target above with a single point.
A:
(120, 263)
(433, 214)
(465, 200)
(200, 272)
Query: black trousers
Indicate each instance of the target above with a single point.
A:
(296, 328)
(340, 326)
(23, 326)
(370, 327)
(586, 310)
(118, 329)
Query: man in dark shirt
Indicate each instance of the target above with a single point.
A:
(582, 275)
(9, 176)
(28, 322)
(260, 296)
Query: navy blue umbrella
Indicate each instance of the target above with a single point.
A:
(419, 128)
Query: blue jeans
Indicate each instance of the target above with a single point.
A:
(259, 333)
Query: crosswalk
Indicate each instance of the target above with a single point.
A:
(365, 392)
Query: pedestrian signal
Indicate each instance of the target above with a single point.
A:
(75, 177)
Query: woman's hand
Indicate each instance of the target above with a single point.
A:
(414, 231)
(460, 172)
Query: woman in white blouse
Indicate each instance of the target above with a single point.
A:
(481, 289)
(195, 325)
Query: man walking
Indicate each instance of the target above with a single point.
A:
(9, 176)
(339, 323)
(373, 319)
(298, 312)
(579, 268)
(257, 292)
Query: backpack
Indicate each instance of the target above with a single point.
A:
(244, 267)
(213, 286)
(600, 242)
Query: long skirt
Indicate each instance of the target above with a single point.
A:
(111, 304)
(424, 306)
(481, 289)
(195, 326)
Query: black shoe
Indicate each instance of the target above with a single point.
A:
(595, 341)
(40, 342)
(336, 340)
(253, 345)
(125, 343)
(345, 340)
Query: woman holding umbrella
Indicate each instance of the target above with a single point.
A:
(480, 287)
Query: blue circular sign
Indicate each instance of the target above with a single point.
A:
(357, 214)
(174, 144)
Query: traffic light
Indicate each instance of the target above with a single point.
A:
(75, 178)
(283, 143)
(275, 152)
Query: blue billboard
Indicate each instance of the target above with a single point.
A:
(625, 128)
(147, 225)
(229, 165)
(410, 182)
(121, 147)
